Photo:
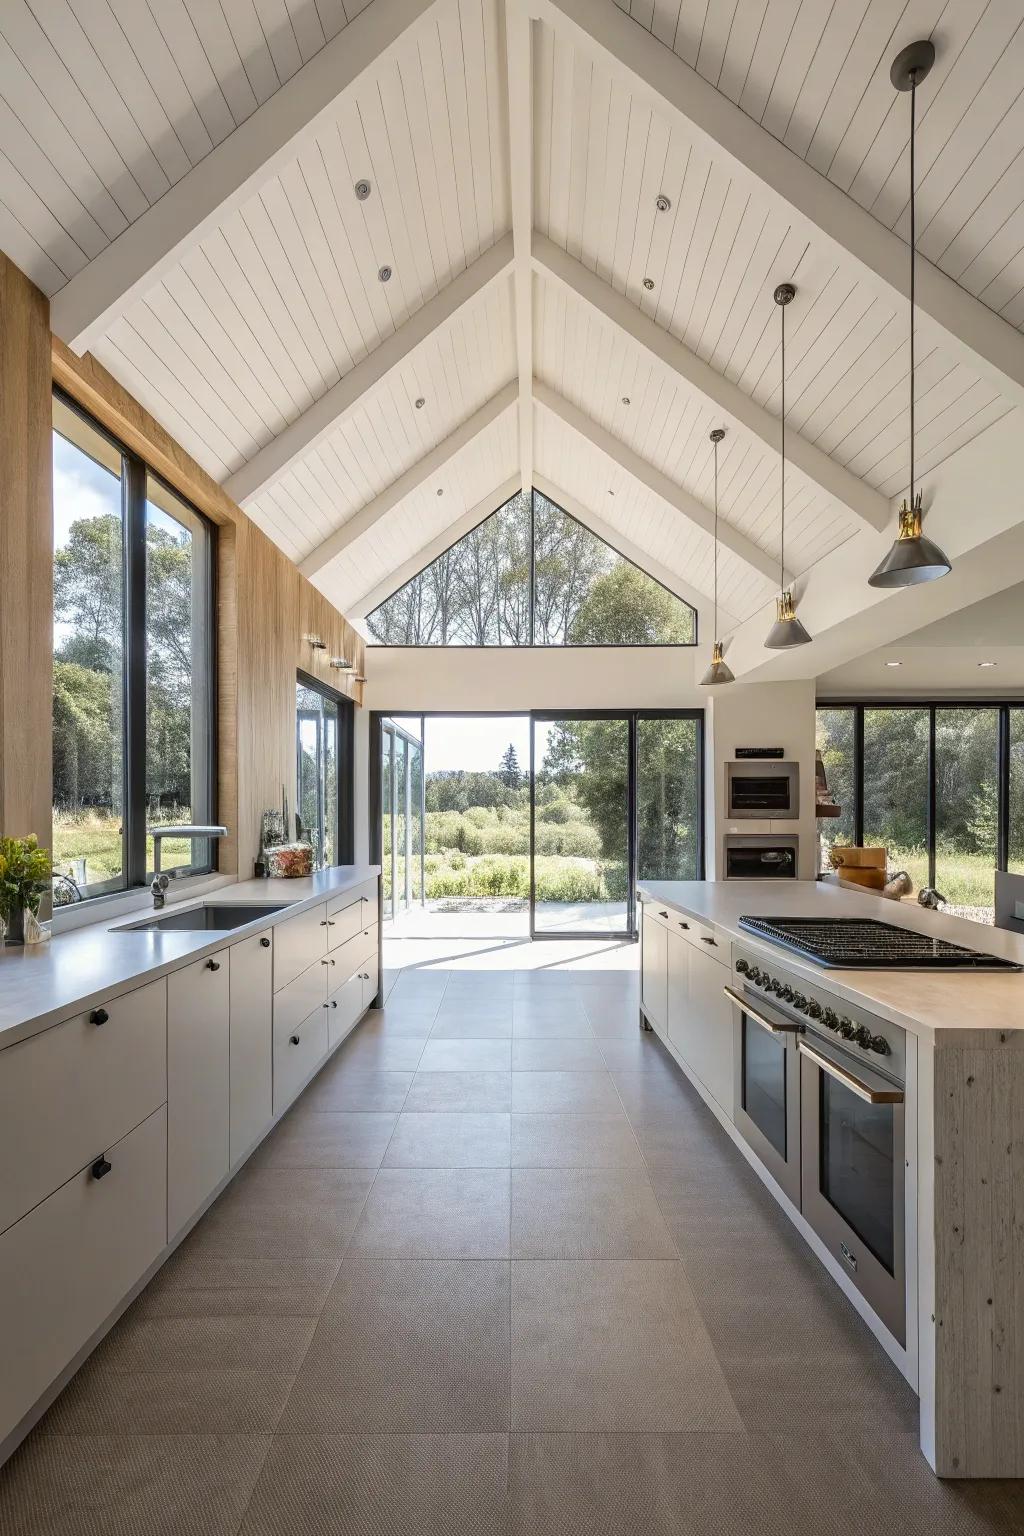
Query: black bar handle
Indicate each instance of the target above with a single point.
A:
(100, 1168)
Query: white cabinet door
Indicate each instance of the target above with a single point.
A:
(296, 1055)
(65, 1266)
(712, 1025)
(198, 1030)
(250, 1048)
(345, 1005)
(654, 971)
(679, 959)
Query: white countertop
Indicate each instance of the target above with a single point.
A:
(42, 984)
(922, 1001)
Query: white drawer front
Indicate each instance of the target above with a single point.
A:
(344, 922)
(371, 906)
(296, 1055)
(344, 1007)
(370, 978)
(297, 1001)
(65, 1266)
(72, 1091)
(353, 955)
(298, 943)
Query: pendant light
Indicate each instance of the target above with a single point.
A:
(718, 672)
(912, 558)
(787, 630)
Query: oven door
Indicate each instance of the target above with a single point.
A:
(854, 1173)
(762, 791)
(766, 1098)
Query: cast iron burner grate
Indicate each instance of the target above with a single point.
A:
(864, 943)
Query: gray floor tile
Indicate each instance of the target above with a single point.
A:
(645, 1485)
(327, 1139)
(472, 1025)
(378, 1053)
(205, 1344)
(478, 1091)
(574, 1213)
(286, 1213)
(196, 1282)
(466, 1056)
(574, 1141)
(340, 1086)
(436, 1213)
(408, 1345)
(571, 1093)
(382, 1485)
(636, 1053)
(234, 1401)
(130, 1485)
(544, 1023)
(650, 1093)
(436, 1139)
(670, 1140)
(554, 1055)
(613, 1345)
(397, 1026)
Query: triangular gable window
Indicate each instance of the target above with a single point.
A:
(530, 574)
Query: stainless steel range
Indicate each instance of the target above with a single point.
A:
(819, 1098)
(864, 943)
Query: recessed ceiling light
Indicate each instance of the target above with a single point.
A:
(988, 663)
(420, 403)
(625, 400)
(894, 663)
(362, 190)
(384, 274)
(649, 284)
(662, 203)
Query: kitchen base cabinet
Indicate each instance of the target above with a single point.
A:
(700, 1022)
(345, 1007)
(654, 970)
(198, 1085)
(66, 1266)
(250, 1046)
(298, 1050)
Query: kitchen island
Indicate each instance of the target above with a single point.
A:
(884, 1110)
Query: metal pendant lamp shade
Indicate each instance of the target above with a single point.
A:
(787, 631)
(719, 671)
(913, 559)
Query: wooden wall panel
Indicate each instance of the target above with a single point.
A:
(26, 557)
(264, 607)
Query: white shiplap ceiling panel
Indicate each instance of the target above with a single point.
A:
(466, 480)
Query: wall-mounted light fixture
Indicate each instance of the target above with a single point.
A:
(315, 642)
(341, 664)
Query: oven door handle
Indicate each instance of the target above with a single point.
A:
(876, 1092)
(780, 1026)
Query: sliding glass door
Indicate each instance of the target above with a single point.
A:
(582, 875)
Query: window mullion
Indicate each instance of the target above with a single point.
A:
(134, 494)
(932, 796)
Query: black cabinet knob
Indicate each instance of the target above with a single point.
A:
(293, 1040)
(213, 965)
(100, 1168)
(364, 975)
(333, 1003)
(99, 1016)
(265, 942)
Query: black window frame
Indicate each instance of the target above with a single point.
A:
(533, 643)
(136, 475)
(1004, 708)
(346, 807)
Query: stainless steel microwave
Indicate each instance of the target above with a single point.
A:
(762, 790)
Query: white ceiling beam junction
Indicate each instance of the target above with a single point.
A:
(333, 409)
(737, 408)
(659, 484)
(231, 173)
(431, 464)
(948, 316)
(519, 78)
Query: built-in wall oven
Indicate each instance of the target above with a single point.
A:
(758, 789)
(752, 856)
(819, 1098)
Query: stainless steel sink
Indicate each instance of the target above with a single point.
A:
(218, 916)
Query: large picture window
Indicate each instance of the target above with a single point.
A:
(532, 575)
(941, 786)
(133, 666)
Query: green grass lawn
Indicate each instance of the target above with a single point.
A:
(96, 837)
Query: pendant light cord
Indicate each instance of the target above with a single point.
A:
(716, 543)
(782, 483)
(913, 270)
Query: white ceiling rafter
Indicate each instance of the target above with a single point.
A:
(519, 79)
(231, 173)
(427, 553)
(327, 413)
(429, 465)
(738, 408)
(647, 475)
(949, 316)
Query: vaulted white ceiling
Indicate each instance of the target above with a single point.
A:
(181, 179)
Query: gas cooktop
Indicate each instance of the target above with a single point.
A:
(862, 943)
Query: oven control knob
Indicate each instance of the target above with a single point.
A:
(846, 1028)
(830, 1019)
(776, 986)
(880, 1044)
(863, 1037)
(799, 1001)
(788, 995)
(814, 1008)
(742, 967)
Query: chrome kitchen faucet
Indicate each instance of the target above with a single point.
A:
(161, 882)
